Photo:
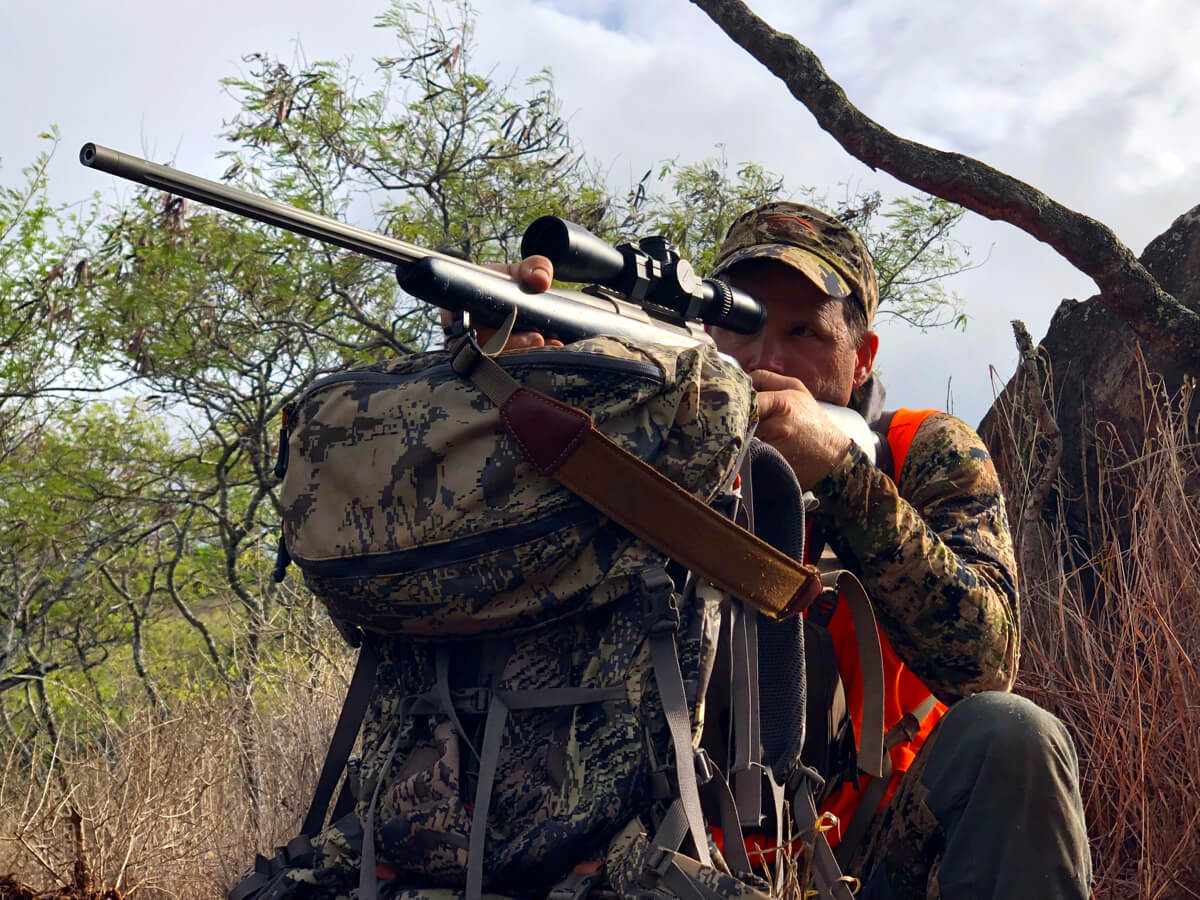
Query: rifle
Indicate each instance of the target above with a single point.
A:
(642, 291)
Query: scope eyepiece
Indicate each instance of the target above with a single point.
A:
(732, 309)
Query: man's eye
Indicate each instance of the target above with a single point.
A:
(800, 331)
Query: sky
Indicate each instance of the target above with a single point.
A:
(1087, 101)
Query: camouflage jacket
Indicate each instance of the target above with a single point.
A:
(935, 554)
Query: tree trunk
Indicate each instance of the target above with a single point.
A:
(1106, 390)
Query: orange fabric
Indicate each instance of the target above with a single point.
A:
(903, 691)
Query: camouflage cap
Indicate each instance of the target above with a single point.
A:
(810, 241)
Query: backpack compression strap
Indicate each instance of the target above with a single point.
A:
(561, 441)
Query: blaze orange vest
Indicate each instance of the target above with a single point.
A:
(903, 690)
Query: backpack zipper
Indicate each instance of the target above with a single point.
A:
(417, 559)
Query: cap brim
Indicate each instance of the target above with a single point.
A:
(818, 270)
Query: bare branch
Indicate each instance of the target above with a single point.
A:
(1127, 289)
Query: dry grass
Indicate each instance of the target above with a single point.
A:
(1110, 647)
(163, 802)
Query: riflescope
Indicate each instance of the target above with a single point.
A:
(648, 272)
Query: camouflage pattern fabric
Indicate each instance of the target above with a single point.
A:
(810, 241)
(935, 555)
(637, 870)
(412, 511)
(415, 516)
(567, 777)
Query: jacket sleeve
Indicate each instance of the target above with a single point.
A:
(935, 554)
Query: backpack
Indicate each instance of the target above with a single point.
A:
(541, 595)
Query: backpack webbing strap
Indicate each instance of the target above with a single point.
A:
(674, 825)
(562, 442)
(904, 730)
(445, 702)
(734, 849)
(687, 879)
(745, 771)
(493, 732)
(368, 877)
(669, 679)
(831, 883)
(870, 661)
(358, 696)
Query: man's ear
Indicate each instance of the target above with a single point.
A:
(865, 361)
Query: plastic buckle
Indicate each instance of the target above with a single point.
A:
(654, 869)
(471, 701)
(658, 601)
(300, 852)
(354, 768)
(705, 770)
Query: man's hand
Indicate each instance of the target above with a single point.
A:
(791, 421)
(535, 273)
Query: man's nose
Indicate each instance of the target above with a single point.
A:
(767, 353)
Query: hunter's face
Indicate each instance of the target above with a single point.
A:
(805, 335)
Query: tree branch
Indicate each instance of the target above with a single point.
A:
(1127, 289)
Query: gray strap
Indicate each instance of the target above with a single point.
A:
(854, 830)
(745, 770)
(673, 828)
(778, 798)
(872, 796)
(477, 699)
(358, 697)
(831, 884)
(541, 698)
(745, 773)
(368, 879)
(493, 733)
(870, 662)
(669, 679)
(910, 724)
(442, 692)
(734, 849)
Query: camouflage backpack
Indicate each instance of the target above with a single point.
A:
(541, 596)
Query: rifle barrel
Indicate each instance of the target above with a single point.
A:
(252, 206)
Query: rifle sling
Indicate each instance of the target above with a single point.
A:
(562, 442)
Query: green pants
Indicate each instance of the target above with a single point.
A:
(990, 808)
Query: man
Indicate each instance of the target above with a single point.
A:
(984, 801)
(989, 805)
